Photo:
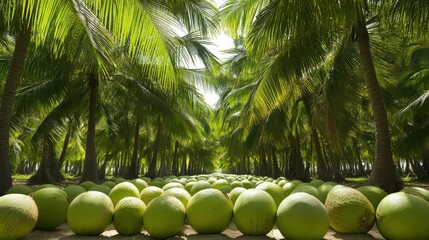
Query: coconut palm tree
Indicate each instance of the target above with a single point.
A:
(302, 31)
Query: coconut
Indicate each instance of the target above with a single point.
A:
(128, 216)
(101, 188)
(313, 191)
(44, 186)
(189, 185)
(200, 185)
(225, 189)
(172, 185)
(302, 216)
(149, 193)
(247, 184)
(288, 188)
(87, 184)
(324, 189)
(140, 184)
(123, 189)
(164, 217)
(73, 191)
(180, 194)
(403, 216)
(52, 204)
(90, 213)
(349, 210)
(255, 212)
(18, 216)
(421, 192)
(235, 193)
(21, 189)
(316, 182)
(274, 190)
(235, 184)
(119, 180)
(374, 194)
(110, 184)
(209, 211)
(220, 183)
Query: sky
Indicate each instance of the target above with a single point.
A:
(220, 43)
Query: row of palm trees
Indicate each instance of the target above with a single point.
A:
(96, 87)
(98, 63)
(309, 76)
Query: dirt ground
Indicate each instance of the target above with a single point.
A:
(64, 233)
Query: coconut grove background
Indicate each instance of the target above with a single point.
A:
(95, 89)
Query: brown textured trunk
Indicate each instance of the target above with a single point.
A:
(64, 150)
(297, 163)
(16, 70)
(322, 169)
(175, 165)
(151, 171)
(90, 168)
(49, 171)
(133, 170)
(383, 172)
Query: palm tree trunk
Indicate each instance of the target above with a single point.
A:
(133, 169)
(49, 171)
(90, 168)
(64, 150)
(383, 172)
(151, 172)
(175, 166)
(16, 70)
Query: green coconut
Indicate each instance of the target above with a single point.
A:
(324, 189)
(310, 189)
(123, 189)
(247, 184)
(403, 216)
(200, 185)
(302, 216)
(255, 212)
(21, 189)
(18, 216)
(128, 216)
(235, 184)
(225, 189)
(158, 183)
(316, 182)
(180, 194)
(90, 213)
(220, 183)
(421, 192)
(149, 193)
(52, 204)
(44, 186)
(101, 188)
(189, 185)
(119, 180)
(164, 217)
(87, 184)
(209, 211)
(288, 188)
(349, 210)
(274, 190)
(140, 184)
(374, 194)
(110, 184)
(282, 182)
(73, 191)
(235, 193)
(172, 185)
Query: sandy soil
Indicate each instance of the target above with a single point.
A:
(64, 233)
